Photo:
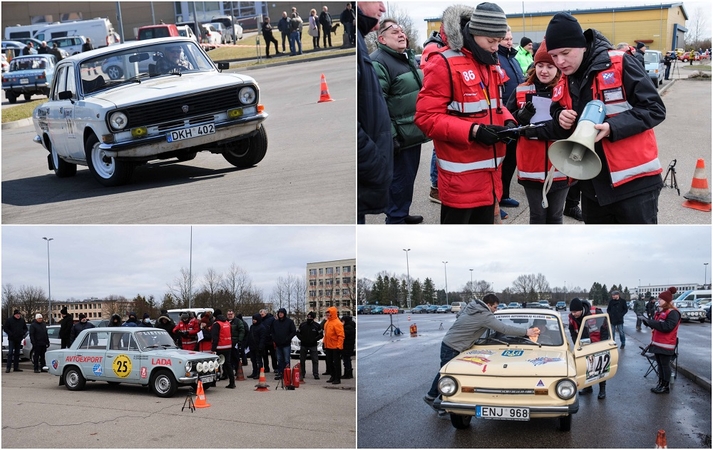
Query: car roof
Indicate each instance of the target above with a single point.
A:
(130, 45)
(12, 44)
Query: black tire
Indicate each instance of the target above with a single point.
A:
(248, 152)
(28, 97)
(566, 423)
(62, 168)
(11, 98)
(460, 422)
(114, 72)
(703, 320)
(187, 157)
(73, 379)
(114, 383)
(107, 170)
(163, 384)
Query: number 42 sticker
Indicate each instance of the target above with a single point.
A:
(121, 366)
(598, 365)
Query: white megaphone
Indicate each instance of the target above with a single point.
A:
(575, 157)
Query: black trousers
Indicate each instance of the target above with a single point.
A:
(314, 356)
(327, 35)
(269, 355)
(256, 358)
(334, 362)
(508, 168)
(480, 215)
(640, 209)
(38, 357)
(664, 363)
(284, 36)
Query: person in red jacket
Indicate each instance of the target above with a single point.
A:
(187, 329)
(461, 109)
(222, 343)
(664, 337)
(533, 163)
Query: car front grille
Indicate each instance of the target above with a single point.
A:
(172, 110)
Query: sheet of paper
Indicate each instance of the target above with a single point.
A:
(200, 335)
(542, 109)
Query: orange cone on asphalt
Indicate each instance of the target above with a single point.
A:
(200, 397)
(414, 330)
(262, 382)
(661, 439)
(240, 376)
(699, 197)
(324, 91)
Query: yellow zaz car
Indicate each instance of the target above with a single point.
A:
(515, 378)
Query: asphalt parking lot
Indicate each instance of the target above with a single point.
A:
(37, 413)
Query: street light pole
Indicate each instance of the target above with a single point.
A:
(446, 272)
(49, 284)
(408, 280)
(472, 291)
(705, 274)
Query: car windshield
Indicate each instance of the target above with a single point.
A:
(685, 305)
(139, 63)
(29, 63)
(550, 330)
(152, 339)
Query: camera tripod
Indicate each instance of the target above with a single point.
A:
(189, 402)
(672, 171)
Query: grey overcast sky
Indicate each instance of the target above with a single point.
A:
(420, 10)
(98, 261)
(577, 255)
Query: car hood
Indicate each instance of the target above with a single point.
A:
(509, 361)
(169, 86)
(188, 355)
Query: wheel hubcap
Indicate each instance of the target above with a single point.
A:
(162, 384)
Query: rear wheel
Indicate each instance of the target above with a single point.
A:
(460, 422)
(106, 169)
(74, 380)
(28, 97)
(248, 152)
(163, 383)
(62, 168)
(12, 98)
(566, 422)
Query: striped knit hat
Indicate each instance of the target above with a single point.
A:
(488, 20)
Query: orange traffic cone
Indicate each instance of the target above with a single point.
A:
(240, 376)
(699, 197)
(414, 330)
(262, 382)
(324, 91)
(661, 439)
(200, 397)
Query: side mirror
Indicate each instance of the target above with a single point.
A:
(65, 95)
(223, 65)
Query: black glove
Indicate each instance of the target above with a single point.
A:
(645, 321)
(488, 134)
(526, 113)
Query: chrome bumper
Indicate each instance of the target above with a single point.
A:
(535, 411)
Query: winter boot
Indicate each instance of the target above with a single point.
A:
(602, 390)
(658, 386)
(347, 375)
(587, 390)
(663, 389)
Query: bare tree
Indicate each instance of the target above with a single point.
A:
(211, 283)
(182, 288)
(237, 284)
(9, 299)
(697, 25)
(400, 15)
(32, 300)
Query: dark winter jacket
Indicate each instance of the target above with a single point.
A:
(639, 55)
(310, 333)
(647, 111)
(256, 335)
(165, 323)
(347, 16)
(512, 69)
(325, 19)
(651, 308)
(282, 26)
(115, 321)
(616, 310)
(400, 80)
(267, 31)
(375, 154)
(349, 336)
(267, 323)
(237, 330)
(576, 323)
(78, 328)
(16, 329)
(282, 329)
(65, 327)
(38, 335)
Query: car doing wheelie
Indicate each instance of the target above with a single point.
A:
(120, 106)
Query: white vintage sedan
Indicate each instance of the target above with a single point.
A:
(134, 355)
(120, 106)
(515, 378)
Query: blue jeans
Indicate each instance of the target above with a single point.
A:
(434, 169)
(13, 354)
(295, 42)
(447, 354)
(283, 358)
(619, 329)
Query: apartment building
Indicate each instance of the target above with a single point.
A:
(332, 283)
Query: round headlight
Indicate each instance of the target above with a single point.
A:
(199, 367)
(211, 366)
(118, 121)
(566, 389)
(189, 366)
(247, 95)
(447, 386)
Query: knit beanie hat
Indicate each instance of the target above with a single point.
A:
(640, 45)
(576, 305)
(564, 31)
(667, 295)
(524, 41)
(542, 56)
(488, 20)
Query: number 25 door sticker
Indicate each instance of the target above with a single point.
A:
(121, 366)
(598, 366)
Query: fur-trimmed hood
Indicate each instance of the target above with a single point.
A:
(451, 25)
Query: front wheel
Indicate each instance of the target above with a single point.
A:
(248, 152)
(12, 98)
(106, 169)
(460, 422)
(163, 383)
(62, 168)
(73, 379)
(566, 422)
(28, 97)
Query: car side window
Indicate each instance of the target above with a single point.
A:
(71, 84)
(60, 82)
(119, 341)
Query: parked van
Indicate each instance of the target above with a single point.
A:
(17, 32)
(100, 31)
(703, 295)
(456, 307)
(157, 31)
